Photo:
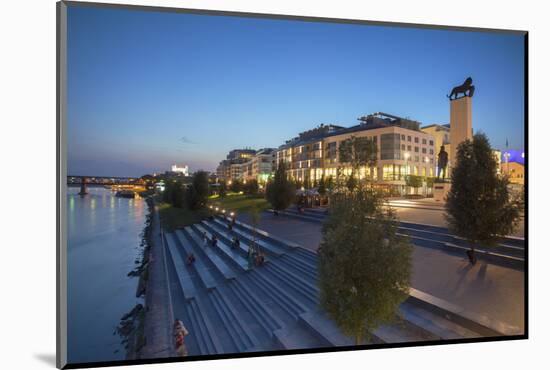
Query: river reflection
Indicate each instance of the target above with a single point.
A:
(103, 243)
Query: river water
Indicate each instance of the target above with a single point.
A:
(103, 245)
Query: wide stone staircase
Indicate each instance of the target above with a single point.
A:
(231, 306)
(510, 251)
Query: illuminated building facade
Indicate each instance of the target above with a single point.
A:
(247, 164)
(402, 149)
(184, 170)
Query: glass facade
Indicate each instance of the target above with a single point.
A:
(390, 146)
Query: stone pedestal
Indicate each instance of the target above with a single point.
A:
(461, 124)
(440, 191)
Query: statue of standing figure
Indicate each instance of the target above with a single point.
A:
(442, 161)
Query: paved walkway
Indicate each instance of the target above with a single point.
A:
(158, 317)
(495, 291)
(428, 211)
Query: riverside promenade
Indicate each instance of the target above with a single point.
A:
(487, 289)
(159, 314)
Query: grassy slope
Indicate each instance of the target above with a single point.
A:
(173, 217)
(239, 203)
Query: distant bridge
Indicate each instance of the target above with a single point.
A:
(102, 180)
(84, 181)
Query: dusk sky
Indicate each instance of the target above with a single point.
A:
(150, 89)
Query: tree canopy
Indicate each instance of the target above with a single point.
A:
(197, 192)
(280, 192)
(479, 205)
(364, 265)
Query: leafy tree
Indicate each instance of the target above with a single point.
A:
(430, 182)
(351, 182)
(236, 186)
(479, 206)
(330, 183)
(174, 193)
(414, 181)
(197, 192)
(251, 187)
(359, 152)
(364, 265)
(178, 195)
(167, 193)
(322, 187)
(280, 191)
(222, 190)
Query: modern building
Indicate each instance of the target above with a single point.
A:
(231, 168)
(261, 166)
(247, 164)
(402, 149)
(441, 134)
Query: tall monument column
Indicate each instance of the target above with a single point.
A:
(461, 129)
(461, 116)
(461, 123)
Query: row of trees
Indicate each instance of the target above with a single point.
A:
(192, 195)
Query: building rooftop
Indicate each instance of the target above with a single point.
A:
(440, 127)
(369, 122)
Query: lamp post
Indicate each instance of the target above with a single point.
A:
(427, 160)
(407, 155)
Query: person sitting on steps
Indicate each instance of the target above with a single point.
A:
(190, 258)
(236, 242)
(260, 259)
(180, 331)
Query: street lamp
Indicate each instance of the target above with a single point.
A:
(407, 155)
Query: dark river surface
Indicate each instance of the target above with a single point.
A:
(103, 245)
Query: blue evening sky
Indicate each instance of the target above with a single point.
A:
(149, 89)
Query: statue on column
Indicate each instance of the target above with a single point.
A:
(467, 89)
(442, 161)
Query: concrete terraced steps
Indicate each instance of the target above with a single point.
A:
(510, 251)
(232, 306)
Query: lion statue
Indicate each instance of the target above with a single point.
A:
(466, 88)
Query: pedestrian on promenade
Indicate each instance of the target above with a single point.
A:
(214, 241)
(179, 338)
(204, 238)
